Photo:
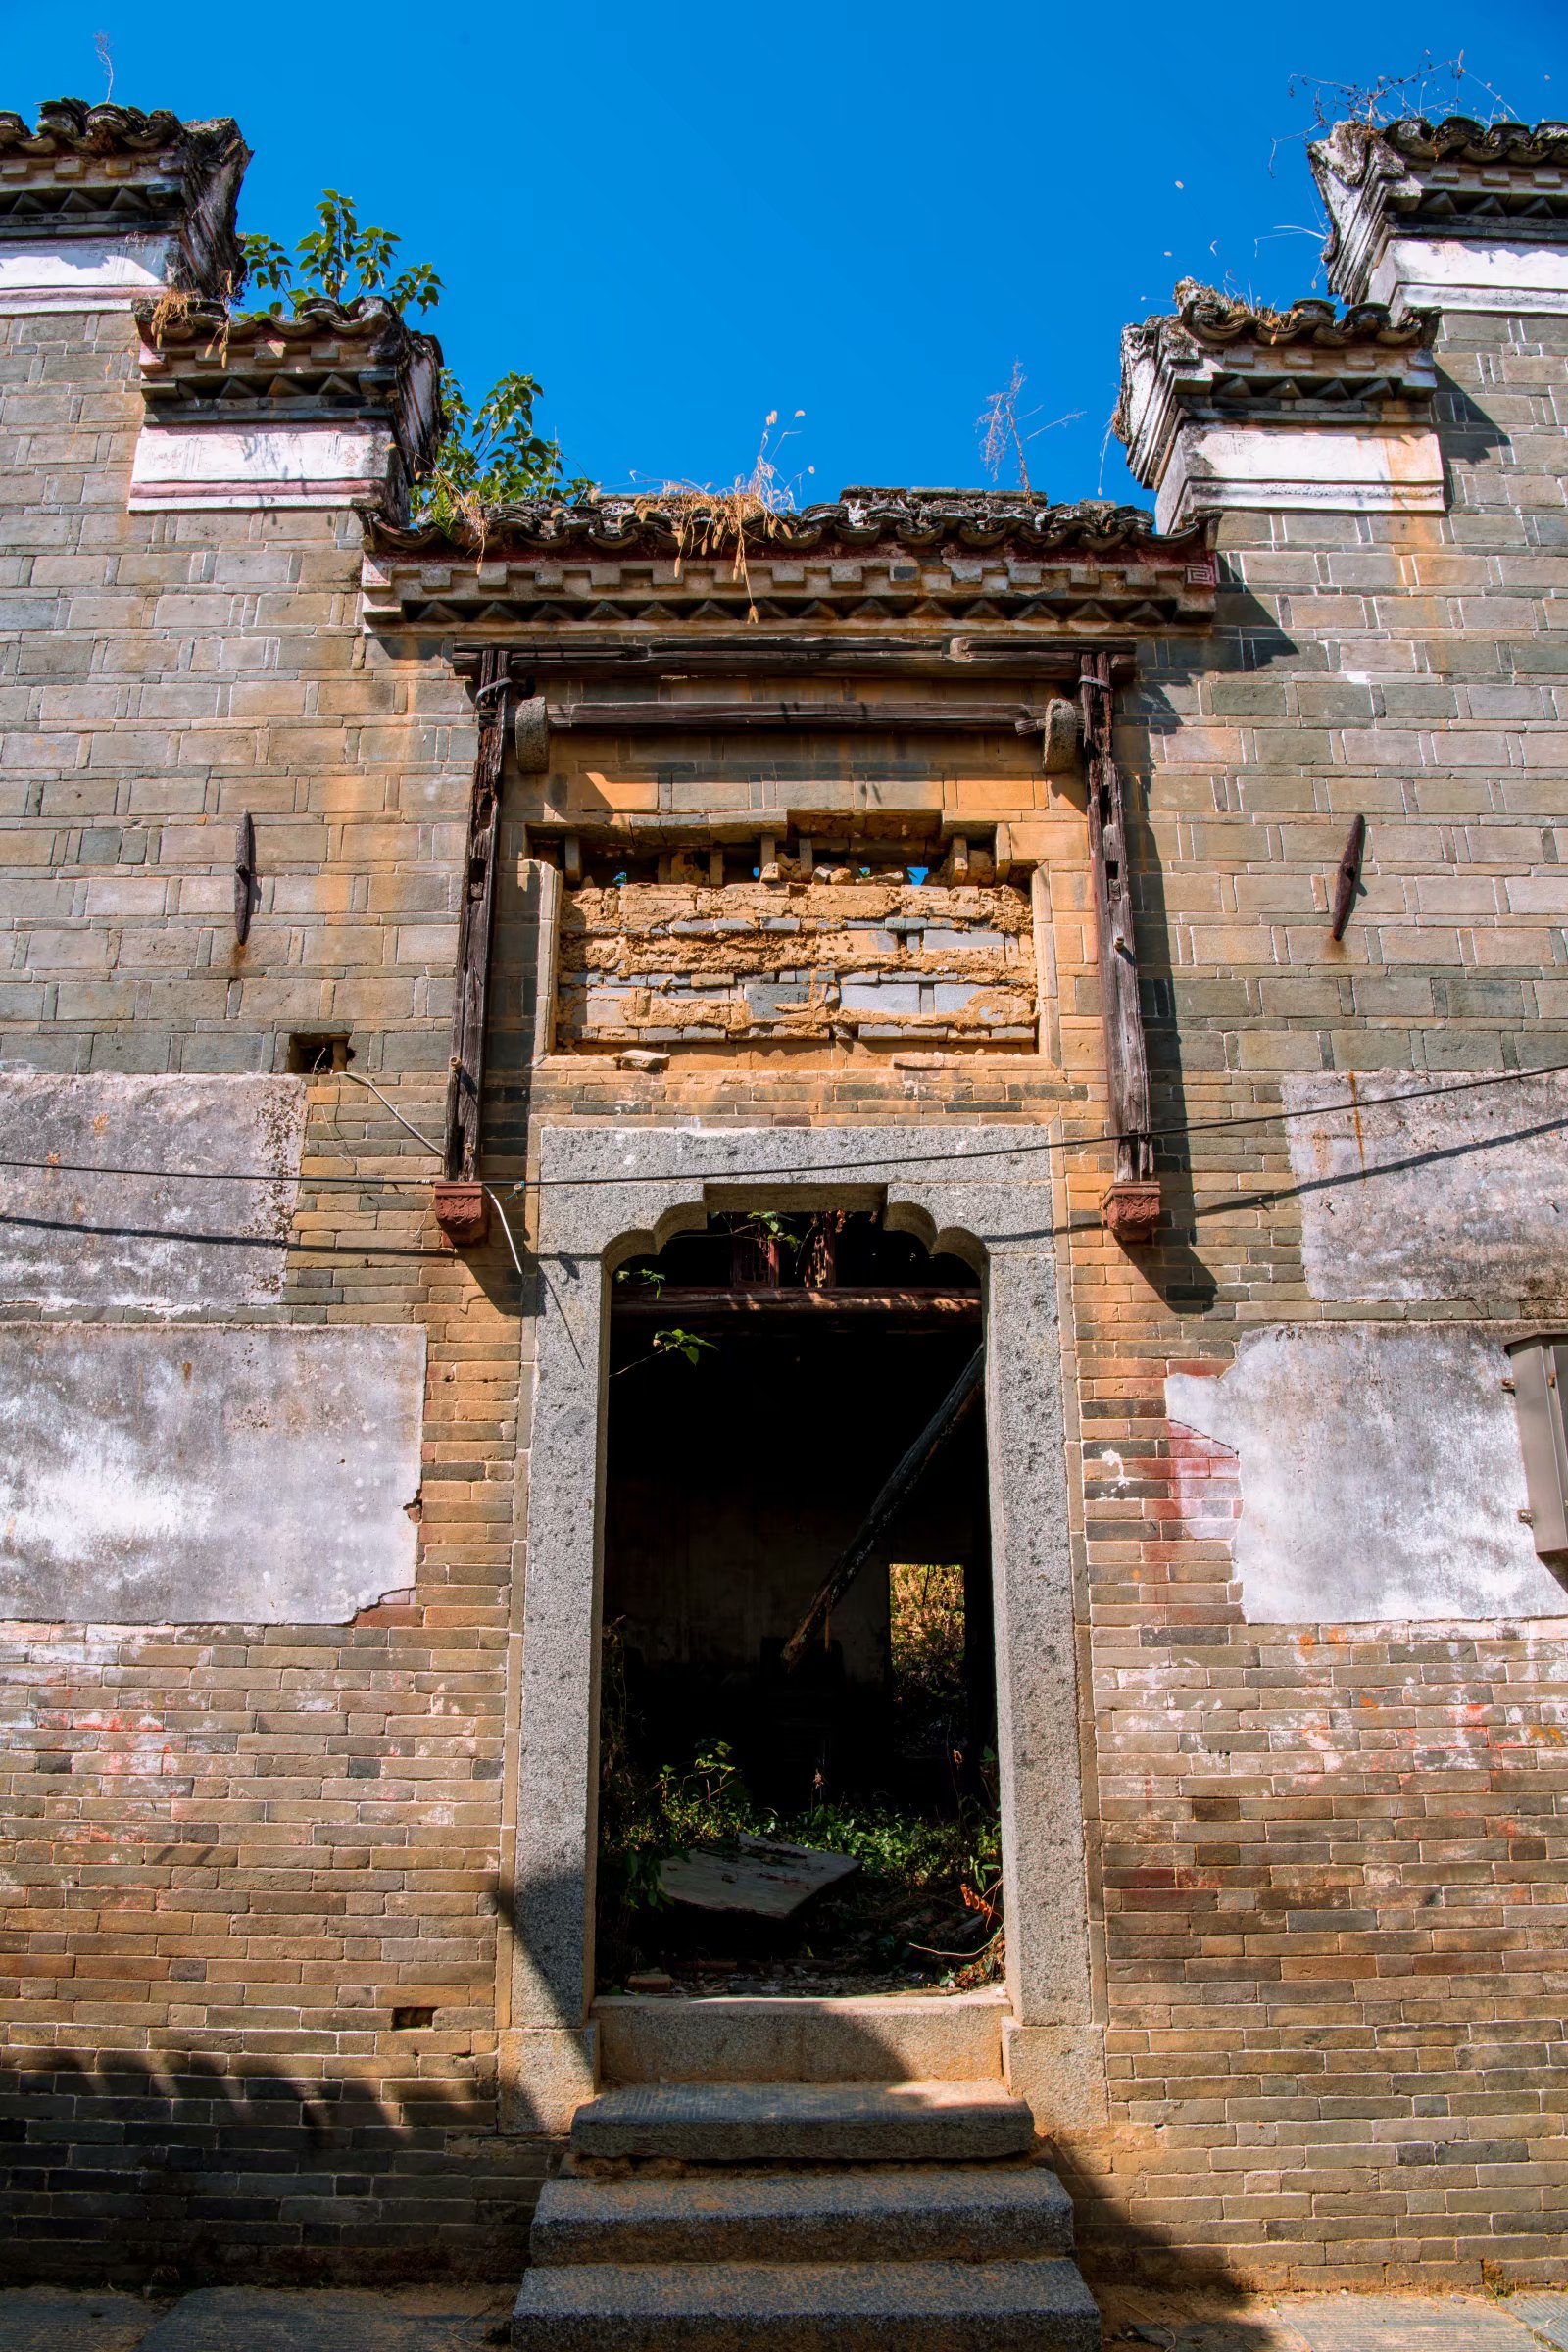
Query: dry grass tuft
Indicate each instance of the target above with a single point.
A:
(172, 309)
(710, 520)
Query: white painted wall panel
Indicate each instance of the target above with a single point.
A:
(167, 1243)
(1381, 1475)
(203, 1474)
(1410, 1194)
(80, 274)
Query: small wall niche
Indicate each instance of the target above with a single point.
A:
(313, 1053)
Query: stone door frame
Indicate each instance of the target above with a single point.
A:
(608, 1194)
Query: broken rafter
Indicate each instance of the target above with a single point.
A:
(948, 1415)
(467, 1076)
(1126, 1055)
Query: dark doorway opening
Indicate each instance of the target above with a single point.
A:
(770, 1378)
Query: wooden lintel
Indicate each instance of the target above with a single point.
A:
(1004, 716)
(475, 922)
(1126, 1053)
(973, 659)
(944, 1306)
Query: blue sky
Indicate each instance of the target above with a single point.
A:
(682, 217)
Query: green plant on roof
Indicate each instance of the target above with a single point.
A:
(489, 453)
(490, 457)
(338, 261)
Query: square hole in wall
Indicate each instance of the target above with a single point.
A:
(312, 1050)
(410, 2020)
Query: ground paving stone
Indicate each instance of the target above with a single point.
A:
(51, 2318)
(237, 2318)
(1546, 2314)
(1351, 2323)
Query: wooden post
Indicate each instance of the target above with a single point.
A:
(1131, 1206)
(460, 1204)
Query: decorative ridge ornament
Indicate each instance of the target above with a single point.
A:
(1216, 320)
(368, 319)
(74, 126)
(1513, 143)
(1437, 215)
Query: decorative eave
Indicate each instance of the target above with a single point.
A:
(340, 404)
(1224, 405)
(1451, 215)
(619, 578)
(102, 204)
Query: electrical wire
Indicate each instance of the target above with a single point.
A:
(388, 1104)
(1031, 1146)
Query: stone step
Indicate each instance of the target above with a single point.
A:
(820, 2123)
(806, 2307)
(983, 2213)
(878, 2038)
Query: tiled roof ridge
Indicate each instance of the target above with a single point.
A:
(75, 126)
(1352, 150)
(368, 319)
(857, 518)
(1218, 318)
(1473, 142)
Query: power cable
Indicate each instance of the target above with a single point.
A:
(1025, 1146)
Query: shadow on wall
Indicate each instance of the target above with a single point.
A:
(178, 2172)
(1190, 2298)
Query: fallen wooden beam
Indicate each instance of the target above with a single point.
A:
(949, 1413)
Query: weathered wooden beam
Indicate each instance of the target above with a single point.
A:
(692, 1299)
(1131, 1208)
(900, 1487)
(467, 1076)
(996, 717)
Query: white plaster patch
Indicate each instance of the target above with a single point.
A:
(256, 465)
(80, 274)
(204, 1475)
(1464, 273)
(1335, 468)
(1461, 1194)
(167, 1241)
(1381, 1475)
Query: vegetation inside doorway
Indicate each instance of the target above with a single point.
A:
(770, 1378)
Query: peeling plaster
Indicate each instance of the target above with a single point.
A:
(1472, 1200)
(1381, 1475)
(156, 1243)
(203, 1474)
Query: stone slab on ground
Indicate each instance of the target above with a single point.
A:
(1545, 2310)
(241, 2318)
(1352, 2323)
(54, 2318)
(773, 2123)
(808, 2307)
(981, 2214)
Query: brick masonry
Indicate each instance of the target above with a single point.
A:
(1326, 1861)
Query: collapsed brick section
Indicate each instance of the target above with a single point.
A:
(665, 963)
